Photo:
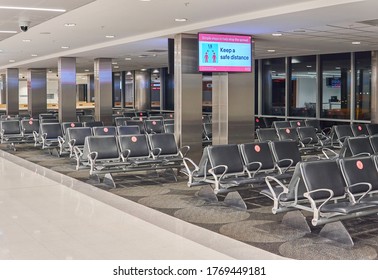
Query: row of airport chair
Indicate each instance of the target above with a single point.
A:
(332, 190)
(359, 146)
(105, 155)
(341, 132)
(228, 167)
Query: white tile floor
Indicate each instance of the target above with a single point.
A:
(46, 215)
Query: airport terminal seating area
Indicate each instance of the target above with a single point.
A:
(267, 193)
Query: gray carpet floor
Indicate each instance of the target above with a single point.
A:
(256, 226)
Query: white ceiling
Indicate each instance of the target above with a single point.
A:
(142, 28)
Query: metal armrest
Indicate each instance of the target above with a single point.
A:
(259, 166)
(184, 150)
(313, 203)
(286, 168)
(125, 155)
(350, 194)
(271, 178)
(196, 167)
(362, 154)
(331, 151)
(212, 172)
(156, 152)
(306, 141)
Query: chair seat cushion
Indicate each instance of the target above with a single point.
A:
(345, 208)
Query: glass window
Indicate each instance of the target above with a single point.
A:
(363, 85)
(336, 76)
(302, 96)
(273, 86)
(155, 89)
(129, 89)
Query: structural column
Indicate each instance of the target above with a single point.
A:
(103, 90)
(188, 94)
(67, 89)
(374, 86)
(37, 92)
(233, 108)
(12, 90)
(142, 90)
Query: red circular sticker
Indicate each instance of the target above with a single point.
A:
(287, 130)
(257, 149)
(359, 128)
(154, 123)
(360, 165)
(298, 124)
(72, 125)
(140, 114)
(106, 129)
(30, 122)
(134, 139)
(257, 120)
(171, 116)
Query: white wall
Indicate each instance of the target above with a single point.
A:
(52, 91)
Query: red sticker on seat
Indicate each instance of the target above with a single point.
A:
(134, 139)
(72, 125)
(257, 120)
(140, 114)
(30, 122)
(359, 128)
(154, 123)
(106, 129)
(287, 130)
(298, 124)
(257, 149)
(360, 165)
(171, 116)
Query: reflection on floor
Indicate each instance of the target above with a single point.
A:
(256, 227)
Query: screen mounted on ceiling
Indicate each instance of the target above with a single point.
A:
(224, 53)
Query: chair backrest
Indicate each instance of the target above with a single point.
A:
(105, 146)
(129, 114)
(281, 124)
(93, 124)
(307, 135)
(49, 121)
(288, 134)
(169, 121)
(136, 144)
(297, 123)
(206, 118)
(47, 116)
(372, 128)
(343, 131)
(257, 152)
(104, 130)
(66, 125)
(164, 141)
(267, 134)
(52, 130)
(156, 117)
(357, 170)
(285, 150)
(259, 123)
(120, 121)
(323, 174)
(228, 155)
(374, 143)
(208, 130)
(314, 123)
(30, 125)
(79, 134)
(10, 127)
(154, 126)
(138, 123)
(359, 130)
(141, 114)
(85, 118)
(359, 146)
(168, 116)
(128, 130)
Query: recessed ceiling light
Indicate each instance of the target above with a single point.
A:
(116, 66)
(143, 69)
(109, 36)
(8, 31)
(34, 54)
(356, 43)
(70, 24)
(127, 58)
(128, 73)
(32, 9)
(64, 47)
(12, 60)
(115, 63)
(308, 66)
(277, 34)
(271, 51)
(181, 19)
(143, 55)
(86, 70)
(45, 33)
(26, 40)
(145, 0)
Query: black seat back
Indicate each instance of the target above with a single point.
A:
(259, 123)
(342, 132)
(257, 152)
(307, 135)
(105, 146)
(66, 125)
(372, 128)
(228, 155)
(208, 130)
(357, 170)
(136, 144)
(323, 174)
(104, 130)
(285, 150)
(297, 123)
(359, 130)
(52, 130)
(281, 124)
(359, 146)
(169, 128)
(9, 127)
(166, 142)
(138, 123)
(29, 125)
(154, 126)
(85, 118)
(128, 130)
(267, 134)
(79, 134)
(288, 134)
(374, 143)
(314, 123)
(93, 124)
(121, 121)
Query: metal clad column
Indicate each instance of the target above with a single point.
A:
(142, 90)
(3, 97)
(103, 90)
(233, 108)
(67, 89)
(188, 95)
(374, 86)
(12, 89)
(37, 92)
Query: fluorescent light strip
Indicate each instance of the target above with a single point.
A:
(6, 31)
(32, 9)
